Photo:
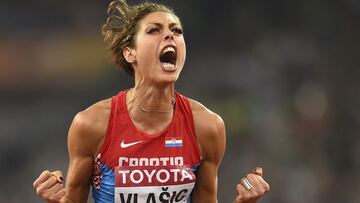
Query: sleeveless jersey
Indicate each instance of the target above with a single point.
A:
(135, 167)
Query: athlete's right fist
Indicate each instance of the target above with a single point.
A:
(49, 186)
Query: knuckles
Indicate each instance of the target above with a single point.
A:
(34, 185)
(58, 172)
(267, 187)
(253, 194)
(41, 189)
(45, 173)
(45, 195)
(260, 188)
(41, 192)
(251, 176)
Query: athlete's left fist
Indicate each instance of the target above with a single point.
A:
(252, 187)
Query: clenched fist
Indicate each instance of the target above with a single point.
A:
(252, 187)
(49, 186)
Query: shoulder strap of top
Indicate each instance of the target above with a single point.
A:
(185, 106)
(115, 106)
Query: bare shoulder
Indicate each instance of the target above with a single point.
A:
(206, 118)
(89, 126)
(210, 131)
(94, 114)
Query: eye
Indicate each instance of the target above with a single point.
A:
(177, 30)
(153, 30)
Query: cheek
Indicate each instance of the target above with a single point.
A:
(182, 47)
(146, 55)
(145, 49)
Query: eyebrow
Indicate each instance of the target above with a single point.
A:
(161, 25)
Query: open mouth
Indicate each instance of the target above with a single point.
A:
(168, 58)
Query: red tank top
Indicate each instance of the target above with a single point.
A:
(135, 167)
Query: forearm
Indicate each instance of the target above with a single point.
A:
(77, 194)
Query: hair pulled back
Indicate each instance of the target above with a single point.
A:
(122, 25)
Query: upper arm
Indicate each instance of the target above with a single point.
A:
(85, 137)
(210, 132)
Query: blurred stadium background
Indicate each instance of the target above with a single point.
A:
(284, 75)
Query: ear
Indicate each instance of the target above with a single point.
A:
(129, 54)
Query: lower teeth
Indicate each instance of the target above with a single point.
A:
(168, 65)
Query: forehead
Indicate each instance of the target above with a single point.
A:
(160, 17)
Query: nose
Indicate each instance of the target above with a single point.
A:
(169, 35)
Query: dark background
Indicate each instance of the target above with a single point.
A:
(284, 75)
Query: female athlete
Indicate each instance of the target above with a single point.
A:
(148, 143)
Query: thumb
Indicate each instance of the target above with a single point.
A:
(257, 171)
(58, 175)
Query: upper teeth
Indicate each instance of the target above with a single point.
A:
(168, 49)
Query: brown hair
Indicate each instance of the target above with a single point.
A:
(121, 27)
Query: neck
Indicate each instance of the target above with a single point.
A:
(158, 106)
(151, 99)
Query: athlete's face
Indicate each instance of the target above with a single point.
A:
(159, 48)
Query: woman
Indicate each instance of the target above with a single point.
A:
(148, 143)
